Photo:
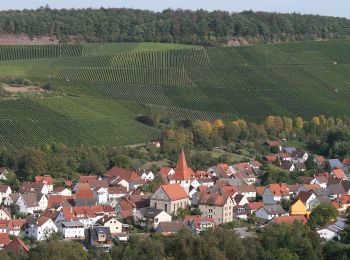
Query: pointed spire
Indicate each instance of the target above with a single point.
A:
(182, 172)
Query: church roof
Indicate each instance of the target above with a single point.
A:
(182, 171)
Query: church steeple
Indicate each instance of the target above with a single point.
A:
(182, 172)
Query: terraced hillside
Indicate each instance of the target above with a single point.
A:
(306, 79)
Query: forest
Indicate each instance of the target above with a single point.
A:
(174, 26)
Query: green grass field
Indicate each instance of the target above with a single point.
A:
(107, 85)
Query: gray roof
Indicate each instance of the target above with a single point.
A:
(85, 202)
(335, 163)
(100, 230)
(324, 199)
(335, 189)
(172, 226)
(150, 212)
(274, 209)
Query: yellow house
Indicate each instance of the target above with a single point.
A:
(298, 208)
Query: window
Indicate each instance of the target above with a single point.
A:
(155, 205)
(166, 207)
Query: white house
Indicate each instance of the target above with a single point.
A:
(5, 213)
(5, 191)
(30, 202)
(11, 199)
(332, 231)
(3, 174)
(62, 191)
(299, 156)
(146, 175)
(72, 229)
(268, 212)
(150, 217)
(320, 180)
(40, 228)
(116, 192)
(101, 195)
(47, 180)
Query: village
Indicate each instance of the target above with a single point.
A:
(102, 211)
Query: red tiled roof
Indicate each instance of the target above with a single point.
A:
(279, 189)
(124, 174)
(247, 188)
(3, 224)
(182, 171)
(212, 199)
(174, 191)
(346, 162)
(3, 188)
(270, 158)
(228, 190)
(17, 245)
(47, 179)
(87, 178)
(165, 170)
(255, 205)
(68, 183)
(290, 219)
(83, 186)
(260, 190)
(320, 159)
(16, 224)
(303, 196)
(4, 239)
(54, 200)
(84, 194)
(339, 173)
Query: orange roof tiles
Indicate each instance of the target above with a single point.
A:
(87, 178)
(174, 191)
(47, 179)
(4, 239)
(254, 205)
(279, 189)
(339, 173)
(182, 171)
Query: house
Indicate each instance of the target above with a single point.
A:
(332, 231)
(17, 246)
(289, 150)
(88, 178)
(57, 201)
(101, 194)
(183, 173)
(165, 172)
(240, 212)
(346, 162)
(40, 228)
(339, 174)
(146, 175)
(101, 238)
(72, 230)
(3, 226)
(216, 206)
(252, 207)
(170, 198)
(269, 212)
(30, 202)
(289, 219)
(11, 199)
(3, 173)
(270, 158)
(335, 190)
(168, 228)
(334, 163)
(5, 213)
(320, 180)
(306, 197)
(62, 191)
(15, 227)
(33, 187)
(197, 224)
(150, 217)
(111, 222)
(299, 166)
(5, 191)
(88, 215)
(320, 200)
(299, 156)
(284, 157)
(288, 166)
(46, 180)
(274, 193)
(116, 192)
(125, 208)
(298, 208)
(320, 160)
(120, 176)
(85, 198)
(4, 240)
(240, 200)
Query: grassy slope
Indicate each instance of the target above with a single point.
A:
(187, 81)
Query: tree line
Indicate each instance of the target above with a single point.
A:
(323, 135)
(174, 26)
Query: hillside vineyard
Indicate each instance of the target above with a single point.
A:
(107, 85)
